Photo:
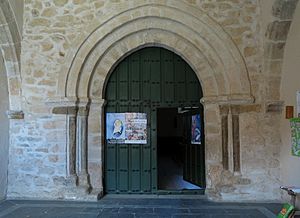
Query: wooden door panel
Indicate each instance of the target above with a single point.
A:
(146, 80)
(194, 169)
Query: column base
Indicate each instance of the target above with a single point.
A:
(83, 182)
(100, 194)
(71, 181)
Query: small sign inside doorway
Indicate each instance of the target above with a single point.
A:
(295, 126)
(126, 128)
(196, 129)
(298, 103)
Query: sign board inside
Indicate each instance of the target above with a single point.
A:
(298, 103)
(295, 127)
(196, 129)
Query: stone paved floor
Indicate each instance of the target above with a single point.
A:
(135, 208)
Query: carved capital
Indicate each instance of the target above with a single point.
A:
(83, 111)
(228, 99)
(224, 109)
(274, 106)
(61, 101)
(97, 101)
(238, 109)
(235, 109)
(72, 110)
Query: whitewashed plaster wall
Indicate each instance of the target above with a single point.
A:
(290, 164)
(4, 130)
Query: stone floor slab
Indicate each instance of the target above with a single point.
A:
(136, 208)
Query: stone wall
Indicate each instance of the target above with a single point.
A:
(69, 48)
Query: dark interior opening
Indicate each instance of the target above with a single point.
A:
(171, 150)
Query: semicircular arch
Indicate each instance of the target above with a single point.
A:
(146, 38)
(194, 34)
(10, 47)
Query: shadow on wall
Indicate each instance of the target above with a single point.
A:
(4, 130)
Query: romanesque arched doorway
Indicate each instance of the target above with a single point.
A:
(191, 34)
(159, 88)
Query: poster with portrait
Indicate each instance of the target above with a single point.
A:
(115, 128)
(196, 129)
(295, 127)
(126, 128)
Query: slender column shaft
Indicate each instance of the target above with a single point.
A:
(225, 141)
(83, 141)
(82, 128)
(224, 126)
(236, 139)
(71, 144)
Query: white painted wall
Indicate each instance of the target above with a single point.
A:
(290, 165)
(4, 133)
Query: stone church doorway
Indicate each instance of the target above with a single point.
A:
(159, 84)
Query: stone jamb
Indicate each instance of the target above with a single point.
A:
(77, 112)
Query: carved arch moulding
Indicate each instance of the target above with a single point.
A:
(185, 30)
(10, 48)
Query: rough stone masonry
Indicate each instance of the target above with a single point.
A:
(69, 48)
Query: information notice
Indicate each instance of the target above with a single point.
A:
(126, 128)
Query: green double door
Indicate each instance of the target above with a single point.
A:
(149, 79)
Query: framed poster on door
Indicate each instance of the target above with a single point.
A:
(126, 128)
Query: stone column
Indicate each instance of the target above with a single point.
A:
(236, 138)
(224, 126)
(83, 176)
(71, 144)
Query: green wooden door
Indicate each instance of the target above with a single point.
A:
(144, 81)
(193, 170)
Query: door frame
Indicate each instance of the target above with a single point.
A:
(153, 132)
(183, 191)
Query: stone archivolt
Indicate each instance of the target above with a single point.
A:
(10, 46)
(189, 33)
